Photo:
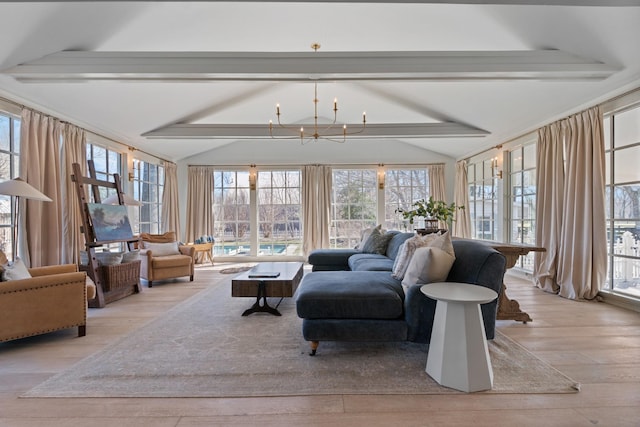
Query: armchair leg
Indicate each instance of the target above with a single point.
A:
(191, 278)
(82, 330)
(150, 284)
(314, 347)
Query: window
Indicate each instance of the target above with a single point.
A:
(9, 169)
(106, 162)
(354, 205)
(148, 188)
(279, 213)
(483, 200)
(402, 188)
(622, 152)
(522, 180)
(231, 213)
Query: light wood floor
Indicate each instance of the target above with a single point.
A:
(594, 343)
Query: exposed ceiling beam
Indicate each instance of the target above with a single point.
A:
(608, 3)
(80, 66)
(254, 131)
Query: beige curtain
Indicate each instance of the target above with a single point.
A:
(74, 150)
(575, 201)
(41, 222)
(199, 202)
(462, 221)
(170, 202)
(549, 205)
(316, 205)
(436, 182)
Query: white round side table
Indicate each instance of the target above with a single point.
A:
(458, 354)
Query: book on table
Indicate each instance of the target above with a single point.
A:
(259, 272)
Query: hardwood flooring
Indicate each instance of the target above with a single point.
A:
(594, 343)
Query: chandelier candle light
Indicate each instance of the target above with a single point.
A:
(327, 132)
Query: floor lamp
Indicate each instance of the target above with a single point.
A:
(19, 188)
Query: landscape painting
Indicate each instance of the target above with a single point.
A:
(110, 222)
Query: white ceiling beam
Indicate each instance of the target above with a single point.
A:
(80, 66)
(261, 131)
(608, 3)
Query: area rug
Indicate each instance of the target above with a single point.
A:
(203, 347)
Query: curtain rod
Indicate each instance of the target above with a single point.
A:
(317, 164)
(22, 106)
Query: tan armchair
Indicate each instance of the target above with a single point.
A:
(54, 298)
(158, 267)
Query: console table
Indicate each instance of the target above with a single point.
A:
(509, 309)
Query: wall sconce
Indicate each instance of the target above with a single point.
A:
(252, 178)
(381, 176)
(495, 168)
(130, 176)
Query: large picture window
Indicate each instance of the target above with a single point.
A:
(483, 200)
(402, 188)
(279, 213)
(522, 196)
(354, 205)
(622, 145)
(231, 213)
(148, 187)
(9, 165)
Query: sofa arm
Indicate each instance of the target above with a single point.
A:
(331, 259)
(53, 269)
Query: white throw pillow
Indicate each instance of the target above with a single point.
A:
(162, 249)
(131, 256)
(428, 265)
(15, 271)
(406, 250)
(109, 258)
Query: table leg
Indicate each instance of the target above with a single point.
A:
(264, 308)
(509, 309)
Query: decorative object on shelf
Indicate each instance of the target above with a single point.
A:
(433, 212)
(19, 188)
(320, 131)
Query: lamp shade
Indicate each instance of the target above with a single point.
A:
(18, 187)
(128, 200)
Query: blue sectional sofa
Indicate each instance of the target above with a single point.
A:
(352, 296)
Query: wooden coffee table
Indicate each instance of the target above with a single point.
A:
(267, 279)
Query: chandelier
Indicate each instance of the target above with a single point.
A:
(329, 132)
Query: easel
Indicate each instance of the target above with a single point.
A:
(91, 243)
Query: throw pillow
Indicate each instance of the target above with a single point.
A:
(109, 258)
(131, 256)
(406, 251)
(377, 242)
(428, 265)
(15, 271)
(84, 258)
(162, 249)
(364, 235)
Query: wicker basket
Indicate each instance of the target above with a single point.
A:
(118, 276)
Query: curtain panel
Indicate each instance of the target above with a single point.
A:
(74, 150)
(316, 206)
(570, 211)
(199, 202)
(40, 223)
(436, 182)
(462, 219)
(170, 202)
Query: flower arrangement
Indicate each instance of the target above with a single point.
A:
(431, 209)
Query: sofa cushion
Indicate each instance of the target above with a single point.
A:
(364, 235)
(377, 242)
(350, 295)
(406, 251)
(370, 262)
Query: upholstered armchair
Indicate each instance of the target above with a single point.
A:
(164, 258)
(54, 298)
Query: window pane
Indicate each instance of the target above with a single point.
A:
(627, 128)
(5, 133)
(626, 165)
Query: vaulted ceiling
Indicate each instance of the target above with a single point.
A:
(186, 79)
